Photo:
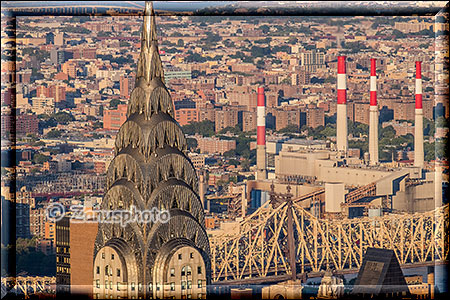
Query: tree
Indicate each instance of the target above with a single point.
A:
(398, 34)
(63, 117)
(113, 103)
(46, 123)
(192, 143)
(260, 51)
(204, 128)
(292, 40)
(212, 38)
(54, 133)
(328, 131)
(330, 79)
(40, 158)
(194, 57)
(31, 261)
(38, 144)
(387, 132)
(264, 28)
(97, 125)
(180, 43)
(429, 150)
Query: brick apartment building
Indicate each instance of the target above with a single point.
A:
(315, 117)
(185, 116)
(225, 118)
(114, 118)
(248, 121)
(215, 145)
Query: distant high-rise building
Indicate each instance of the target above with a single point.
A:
(49, 38)
(59, 56)
(248, 121)
(225, 118)
(59, 39)
(285, 118)
(74, 251)
(27, 123)
(312, 60)
(169, 258)
(124, 86)
(413, 26)
(315, 117)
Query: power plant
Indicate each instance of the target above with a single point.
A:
(315, 171)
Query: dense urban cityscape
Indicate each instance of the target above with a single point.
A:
(283, 119)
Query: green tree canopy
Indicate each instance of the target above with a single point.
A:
(40, 158)
(54, 133)
(204, 128)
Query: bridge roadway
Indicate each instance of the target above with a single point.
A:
(280, 278)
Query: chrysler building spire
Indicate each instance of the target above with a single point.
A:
(149, 64)
(149, 28)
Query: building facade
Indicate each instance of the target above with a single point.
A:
(114, 118)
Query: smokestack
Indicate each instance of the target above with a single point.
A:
(418, 126)
(261, 172)
(373, 121)
(341, 121)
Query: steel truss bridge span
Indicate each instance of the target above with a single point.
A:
(261, 248)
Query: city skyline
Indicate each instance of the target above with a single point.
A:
(295, 123)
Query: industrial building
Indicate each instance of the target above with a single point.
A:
(331, 182)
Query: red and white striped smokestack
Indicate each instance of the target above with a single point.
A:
(261, 118)
(373, 114)
(418, 125)
(373, 82)
(261, 172)
(341, 121)
(418, 84)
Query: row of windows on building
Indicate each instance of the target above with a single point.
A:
(62, 270)
(188, 296)
(63, 243)
(185, 271)
(180, 256)
(63, 259)
(185, 285)
(62, 249)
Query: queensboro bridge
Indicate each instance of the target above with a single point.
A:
(151, 170)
